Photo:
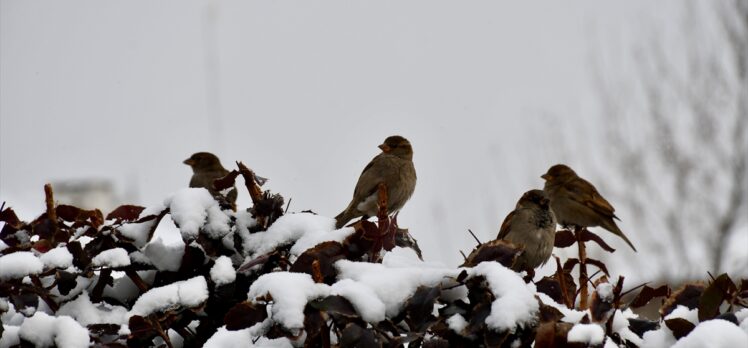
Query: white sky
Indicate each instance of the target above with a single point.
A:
(303, 92)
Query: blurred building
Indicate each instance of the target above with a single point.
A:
(86, 193)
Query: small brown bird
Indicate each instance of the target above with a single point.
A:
(531, 226)
(576, 202)
(206, 168)
(393, 167)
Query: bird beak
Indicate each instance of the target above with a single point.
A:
(546, 177)
(190, 162)
(385, 148)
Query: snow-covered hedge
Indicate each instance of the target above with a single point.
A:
(260, 277)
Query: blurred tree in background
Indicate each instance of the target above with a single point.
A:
(676, 122)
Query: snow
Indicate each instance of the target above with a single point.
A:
(188, 293)
(590, 334)
(19, 264)
(621, 326)
(243, 339)
(605, 291)
(714, 333)
(363, 299)
(223, 271)
(44, 330)
(58, 257)
(9, 336)
(290, 228)
(138, 232)
(193, 208)
(116, 257)
(166, 257)
(394, 285)
(570, 315)
(86, 313)
(457, 323)
(290, 293)
(313, 237)
(684, 312)
(515, 303)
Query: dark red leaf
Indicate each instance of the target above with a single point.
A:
(570, 263)
(335, 305)
(589, 236)
(80, 258)
(225, 182)
(8, 216)
(647, 294)
(68, 213)
(719, 290)
(680, 327)
(419, 307)
(599, 265)
(325, 254)
(244, 315)
(640, 326)
(355, 336)
(564, 239)
(66, 281)
(125, 213)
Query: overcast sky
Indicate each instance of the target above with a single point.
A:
(303, 92)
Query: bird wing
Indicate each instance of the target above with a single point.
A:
(506, 226)
(586, 194)
(375, 172)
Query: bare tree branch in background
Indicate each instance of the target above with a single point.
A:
(685, 171)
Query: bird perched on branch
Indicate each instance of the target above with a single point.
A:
(206, 168)
(576, 202)
(531, 226)
(393, 167)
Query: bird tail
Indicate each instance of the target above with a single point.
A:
(612, 227)
(343, 218)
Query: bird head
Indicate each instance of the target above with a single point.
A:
(203, 161)
(559, 173)
(398, 146)
(533, 197)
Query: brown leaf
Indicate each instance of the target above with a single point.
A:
(244, 315)
(647, 294)
(680, 327)
(497, 250)
(125, 213)
(687, 295)
(589, 236)
(549, 313)
(564, 239)
(719, 290)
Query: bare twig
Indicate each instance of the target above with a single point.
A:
(474, 237)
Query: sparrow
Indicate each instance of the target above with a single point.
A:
(206, 168)
(576, 202)
(393, 167)
(531, 226)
